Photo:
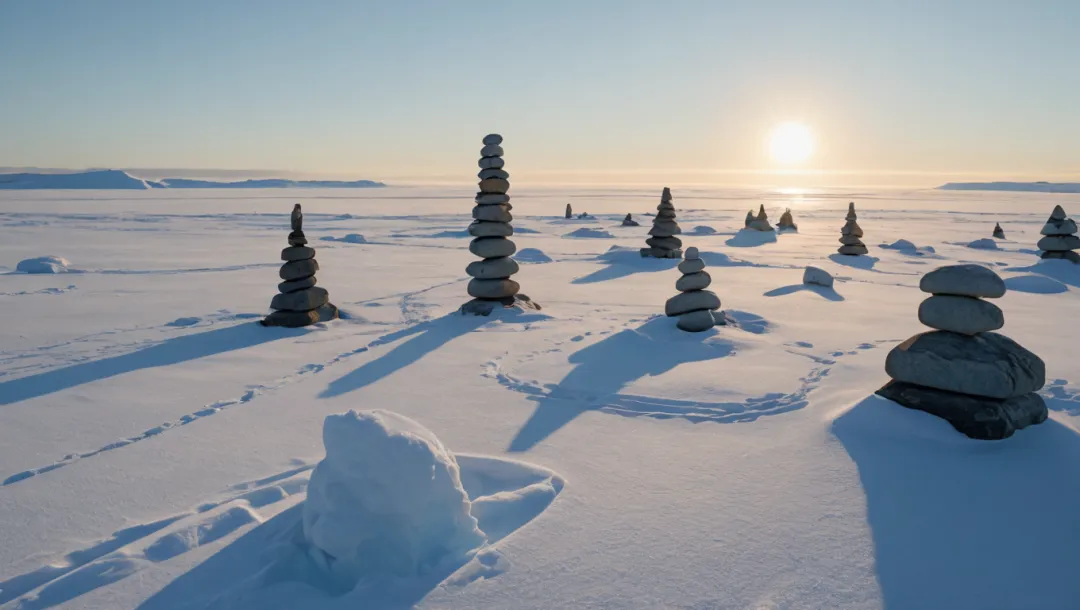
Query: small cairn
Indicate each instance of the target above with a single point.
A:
(694, 306)
(491, 285)
(569, 212)
(299, 302)
(663, 243)
(787, 223)
(630, 222)
(1059, 237)
(999, 233)
(749, 219)
(761, 222)
(981, 382)
(851, 234)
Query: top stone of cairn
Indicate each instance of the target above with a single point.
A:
(492, 139)
(1058, 213)
(963, 280)
(851, 212)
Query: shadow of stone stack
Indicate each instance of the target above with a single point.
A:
(1059, 237)
(761, 222)
(851, 234)
(299, 301)
(663, 243)
(694, 305)
(999, 233)
(981, 382)
(491, 286)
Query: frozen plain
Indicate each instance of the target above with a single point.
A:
(151, 433)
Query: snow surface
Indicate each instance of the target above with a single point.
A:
(1035, 187)
(984, 243)
(156, 443)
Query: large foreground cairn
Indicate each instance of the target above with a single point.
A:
(851, 234)
(299, 302)
(787, 223)
(491, 285)
(694, 306)
(981, 382)
(999, 233)
(761, 222)
(1059, 237)
(663, 243)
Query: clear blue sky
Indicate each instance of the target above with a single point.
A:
(603, 90)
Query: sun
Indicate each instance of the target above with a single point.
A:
(791, 143)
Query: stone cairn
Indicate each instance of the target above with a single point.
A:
(569, 211)
(629, 221)
(851, 234)
(491, 285)
(981, 382)
(787, 223)
(694, 306)
(999, 233)
(761, 222)
(299, 302)
(1059, 237)
(663, 243)
(749, 219)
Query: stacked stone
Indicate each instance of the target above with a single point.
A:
(761, 222)
(299, 302)
(851, 234)
(694, 306)
(491, 285)
(999, 233)
(981, 382)
(663, 243)
(749, 219)
(569, 211)
(787, 223)
(1060, 240)
(629, 221)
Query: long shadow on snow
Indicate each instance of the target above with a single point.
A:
(622, 262)
(824, 292)
(1060, 270)
(170, 351)
(959, 523)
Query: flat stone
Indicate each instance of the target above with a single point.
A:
(691, 265)
(492, 139)
(692, 253)
(1069, 256)
(481, 228)
(660, 253)
(491, 162)
(666, 194)
(852, 250)
(297, 253)
(667, 243)
(293, 286)
(986, 364)
(493, 289)
(666, 206)
(492, 198)
(494, 185)
(851, 240)
(696, 321)
(665, 228)
(693, 281)
(492, 268)
(691, 301)
(1059, 243)
(491, 150)
(1058, 213)
(296, 270)
(301, 300)
(492, 247)
(485, 307)
(493, 213)
(491, 172)
(297, 319)
(965, 315)
(630, 223)
(814, 275)
(1059, 227)
(963, 280)
(666, 215)
(852, 228)
(297, 238)
(974, 416)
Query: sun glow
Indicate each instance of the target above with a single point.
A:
(791, 143)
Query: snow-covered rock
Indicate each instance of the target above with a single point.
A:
(586, 232)
(985, 243)
(44, 264)
(815, 275)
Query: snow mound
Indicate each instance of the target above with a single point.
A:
(531, 255)
(351, 238)
(44, 264)
(983, 244)
(1035, 284)
(907, 247)
(701, 230)
(387, 499)
(592, 233)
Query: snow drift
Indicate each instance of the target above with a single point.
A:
(44, 264)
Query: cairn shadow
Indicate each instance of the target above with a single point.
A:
(959, 523)
(749, 238)
(168, 352)
(606, 367)
(1061, 270)
(822, 291)
(619, 269)
(855, 262)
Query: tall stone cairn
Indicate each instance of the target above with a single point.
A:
(761, 221)
(981, 382)
(491, 285)
(999, 233)
(569, 211)
(749, 219)
(694, 305)
(663, 243)
(1059, 237)
(299, 301)
(851, 234)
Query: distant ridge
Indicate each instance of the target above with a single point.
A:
(112, 179)
(1034, 187)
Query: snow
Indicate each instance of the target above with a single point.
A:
(589, 233)
(351, 238)
(44, 264)
(157, 444)
(984, 243)
(907, 247)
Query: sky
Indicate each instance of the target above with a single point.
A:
(906, 92)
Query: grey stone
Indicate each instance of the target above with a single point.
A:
(301, 300)
(692, 253)
(851, 240)
(760, 225)
(786, 221)
(492, 198)
(296, 319)
(493, 289)
(296, 270)
(569, 211)
(492, 139)
(492, 247)
(963, 280)
(665, 195)
(297, 253)
(485, 307)
(691, 265)
(296, 218)
(491, 172)
(492, 268)
(629, 222)
(297, 238)
(491, 162)
(494, 185)
(666, 214)
(965, 315)
(974, 416)
(660, 253)
(493, 213)
(852, 250)
(666, 243)
(1069, 256)
(814, 275)
(491, 150)
(696, 321)
(481, 228)
(1059, 227)
(851, 212)
(852, 228)
(1059, 243)
(999, 233)
(691, 301)
(1058, 213)
(693, 281)
(986, 364)
(293, 286)
(749, 219)
(665, 228)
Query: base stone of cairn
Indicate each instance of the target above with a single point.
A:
(761, 221)
(851, 234)
(999, 233)
(663, 243)
(695, 307)
(787, 223)
(1059, 237)
(299, 301)
(491, 286)
(630, 222)
(981, 382)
